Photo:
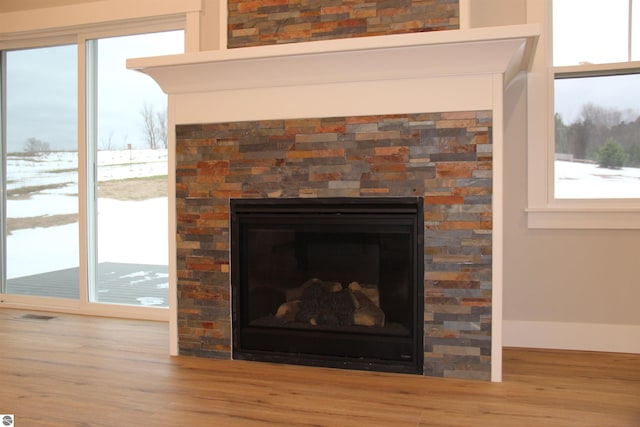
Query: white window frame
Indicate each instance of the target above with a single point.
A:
(74, 25)
(544, 210)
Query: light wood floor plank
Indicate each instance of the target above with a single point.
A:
(85, 371)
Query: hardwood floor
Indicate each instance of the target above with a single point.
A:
(84, 371)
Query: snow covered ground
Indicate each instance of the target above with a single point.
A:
(133, 232)
(588, 181)
(61, 168)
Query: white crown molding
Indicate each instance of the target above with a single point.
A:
(499, 50)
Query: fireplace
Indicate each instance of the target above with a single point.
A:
(407, 115)
(334, 282)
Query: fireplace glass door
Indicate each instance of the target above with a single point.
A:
(331, 282)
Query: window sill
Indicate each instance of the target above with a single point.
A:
(583, 218)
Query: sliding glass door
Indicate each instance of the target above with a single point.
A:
(84, 172)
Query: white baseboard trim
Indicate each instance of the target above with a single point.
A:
(571, 336)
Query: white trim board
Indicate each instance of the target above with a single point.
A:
(572, 336)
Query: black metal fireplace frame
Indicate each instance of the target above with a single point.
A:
(323, 209)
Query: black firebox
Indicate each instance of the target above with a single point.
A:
(334, 282)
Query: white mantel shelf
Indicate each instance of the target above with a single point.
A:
(497, 50)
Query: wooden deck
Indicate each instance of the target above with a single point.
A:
(65, 370)
(117, 283)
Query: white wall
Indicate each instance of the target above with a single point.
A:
(487, 13)
(572, 289)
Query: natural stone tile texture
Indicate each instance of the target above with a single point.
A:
(444, 158)
(267, 22)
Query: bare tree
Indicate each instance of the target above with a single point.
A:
(35, 145)
(600, 117)
(150, 126)
(162, 127)
(155, 126)
(108, 143)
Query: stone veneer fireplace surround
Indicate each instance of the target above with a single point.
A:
(444, 158)
(452, 72)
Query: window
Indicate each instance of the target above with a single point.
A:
(597, 99)
(83, 176)
(582, 110)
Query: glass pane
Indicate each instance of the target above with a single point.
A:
(597, 137)
(590, 31)
(132, 240)
(42, 172)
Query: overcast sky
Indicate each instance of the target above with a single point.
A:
(620, 93)
(42, 92)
